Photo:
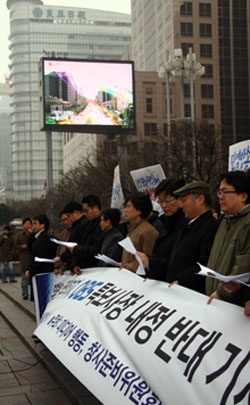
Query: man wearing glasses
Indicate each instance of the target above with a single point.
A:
(230, 254)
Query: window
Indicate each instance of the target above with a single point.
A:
(205, 10)
(185, 47)
(186, 29)
(150, 129)
(186, 90)
(206, 30)
(208, 70)
(206, 50)
(149, 105)
(207, 91)
(186, 8)
(187, 110)
(207, 111)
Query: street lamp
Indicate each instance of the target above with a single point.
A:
(188, 68)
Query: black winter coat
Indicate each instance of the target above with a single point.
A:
(192, 245)
(89, 245)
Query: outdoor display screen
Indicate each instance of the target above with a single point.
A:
(87, 96)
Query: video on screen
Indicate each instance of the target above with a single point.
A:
(88, 93)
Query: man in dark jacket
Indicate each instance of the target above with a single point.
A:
(42, 247)
(6, 254)
(110, 220)
(22, 244)
(83, 255)
(79, 223)
(174, 218)
(193, 242)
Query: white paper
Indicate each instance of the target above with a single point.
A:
(63, 243)
(44, 260)
(107, 260)
(129, 247)
(240, 278)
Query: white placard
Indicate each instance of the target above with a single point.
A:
(239, 156)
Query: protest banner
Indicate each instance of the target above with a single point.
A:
(148, 178)
(117, 198)
(239, 156)
(132, 341)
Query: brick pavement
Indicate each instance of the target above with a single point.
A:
(29, 373)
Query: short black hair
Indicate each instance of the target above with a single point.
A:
(43, 219)
(7, 228)
(92, 200)
(239, 180)
(141, 202)
(169, 186)
(26, 220)
(72, 206)
(113, 214)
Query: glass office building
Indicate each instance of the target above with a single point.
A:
(37, 30)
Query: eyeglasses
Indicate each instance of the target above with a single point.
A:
(221, 193)
(161, 202)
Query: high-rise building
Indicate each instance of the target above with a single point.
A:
(218, 33)
(5, 139)
(37, 30)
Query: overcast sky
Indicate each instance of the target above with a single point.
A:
(122, 6)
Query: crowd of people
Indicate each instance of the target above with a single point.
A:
(171, 245)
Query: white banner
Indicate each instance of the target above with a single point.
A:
(239, 156)
(132, 341)
(117, 198)
(148, 178)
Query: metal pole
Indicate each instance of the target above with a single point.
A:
(49, 160)
(192, 111)
(168, 124)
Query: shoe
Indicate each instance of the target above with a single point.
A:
(13, 281)
(5, 281)
(25, 297)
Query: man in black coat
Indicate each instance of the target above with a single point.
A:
(193, 242)
(42, 247)
(110, 220)
(79, 221)
(83, 255)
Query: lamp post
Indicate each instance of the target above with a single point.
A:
(188, 68)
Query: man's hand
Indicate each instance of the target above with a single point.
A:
(247, 308)
(76, 270)
(27, 274)
(71, 248)
(231, 286)
(144, 258)
(173, 283)
(214, 295)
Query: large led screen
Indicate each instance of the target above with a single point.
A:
(87, 96)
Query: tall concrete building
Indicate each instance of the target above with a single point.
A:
(218, 33)
(37, 30)
(5, 139)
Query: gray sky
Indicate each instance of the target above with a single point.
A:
(122, 6)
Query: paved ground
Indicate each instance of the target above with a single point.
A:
(29, 373)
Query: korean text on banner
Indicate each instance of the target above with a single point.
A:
(132, 341)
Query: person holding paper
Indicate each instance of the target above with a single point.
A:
(230, 254)
(64, 236)
(109, 222)
(74, 211)
(90, 243)
(42, 247)
(142, 234)
(193, 242)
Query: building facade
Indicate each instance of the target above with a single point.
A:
(218, 33)
(5, 139)
(37, 30)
